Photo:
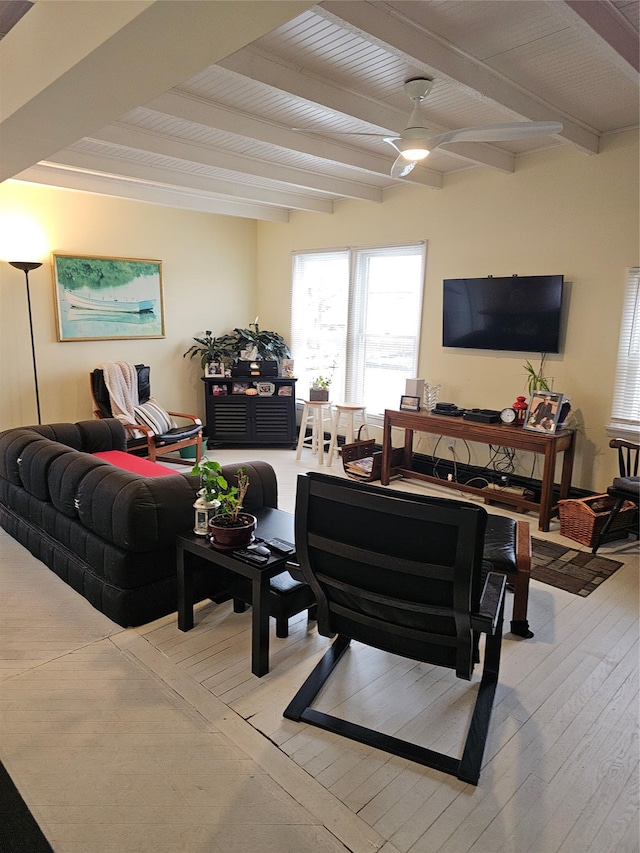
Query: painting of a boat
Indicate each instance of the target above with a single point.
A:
(134, 306)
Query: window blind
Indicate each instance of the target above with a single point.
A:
(625, 413)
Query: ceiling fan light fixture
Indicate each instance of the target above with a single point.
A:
(414, 154)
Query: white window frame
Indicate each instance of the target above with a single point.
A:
(625, 411)
(349, 376)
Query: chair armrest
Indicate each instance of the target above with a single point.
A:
(193, 418)
(491, 600)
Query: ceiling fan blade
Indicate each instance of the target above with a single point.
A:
(402, 167)
(497, 132)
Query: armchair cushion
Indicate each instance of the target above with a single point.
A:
(152, 414)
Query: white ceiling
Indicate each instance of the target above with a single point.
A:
(222, 140)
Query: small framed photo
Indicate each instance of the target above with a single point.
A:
(543, 412)
(285, 391)
(219, 390)
(239, 387)
(409, 404)
(214, 369)
(287, 368)
(265, 389)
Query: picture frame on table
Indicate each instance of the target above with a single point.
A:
(409, 403)
(215, 369)
(239, 387)
(103, 298)
(543, 412)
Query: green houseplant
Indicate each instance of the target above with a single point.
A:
(209, 349)
(535, 379)
(267, 345)
(229, 526)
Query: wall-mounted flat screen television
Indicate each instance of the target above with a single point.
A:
(515, 313)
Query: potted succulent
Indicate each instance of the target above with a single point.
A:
(211, 349)
(229, 526)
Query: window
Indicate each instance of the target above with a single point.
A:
(356, 317)
(625, 413)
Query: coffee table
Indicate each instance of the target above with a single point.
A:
(272, 523)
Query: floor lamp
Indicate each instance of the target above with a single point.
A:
(26, 266)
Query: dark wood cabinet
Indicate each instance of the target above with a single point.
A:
(262, 419)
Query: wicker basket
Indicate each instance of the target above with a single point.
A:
(583, 519)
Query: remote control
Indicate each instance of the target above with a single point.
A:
(281, 546)
(250, 556)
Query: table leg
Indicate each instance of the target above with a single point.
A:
(567, 469)
(385, 473)
(260, 627)
(185, 590)
(408, 449)
(546, 491)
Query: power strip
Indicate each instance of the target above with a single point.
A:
(510, 490)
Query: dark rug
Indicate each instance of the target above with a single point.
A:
(19, 832)
(568, 568)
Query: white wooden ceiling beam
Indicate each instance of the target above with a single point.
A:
(50, 174)
(189, 180)
(132, 138)
(416, 45)
(610, 26)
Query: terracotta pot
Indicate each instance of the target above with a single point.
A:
(226, 535)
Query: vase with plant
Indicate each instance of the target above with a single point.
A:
(211, 349)
(260, 343)
(535, 378)
(319, 390)
(229, 527)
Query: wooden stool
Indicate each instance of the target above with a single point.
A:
(313, 414)
(348, 411)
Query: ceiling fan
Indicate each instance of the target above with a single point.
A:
(415, 142)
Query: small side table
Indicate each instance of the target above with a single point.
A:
(272, 523)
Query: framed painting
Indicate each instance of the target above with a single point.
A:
(543, 412)
(409, 403)
(101, 298)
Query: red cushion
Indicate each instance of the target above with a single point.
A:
(135, 464)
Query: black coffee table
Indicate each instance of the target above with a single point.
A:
(272, 523)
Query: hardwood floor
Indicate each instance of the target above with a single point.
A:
(561, 767)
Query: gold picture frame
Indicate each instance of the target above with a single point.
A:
(103, 298)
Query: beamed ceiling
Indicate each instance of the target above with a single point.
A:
(197, 105)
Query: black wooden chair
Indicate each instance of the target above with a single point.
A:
(625, 487)
(402, 573)
(154, 442)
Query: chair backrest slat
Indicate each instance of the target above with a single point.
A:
(392, 569)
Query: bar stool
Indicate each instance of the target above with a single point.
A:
(315, 413)
(348, 411)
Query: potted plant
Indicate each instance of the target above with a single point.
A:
(319, 390)
(229, 526)
(210, 349)
(535, 380)
(212, 485)
(261, 344)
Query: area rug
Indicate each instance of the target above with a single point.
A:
(19, 832)
(568, 568)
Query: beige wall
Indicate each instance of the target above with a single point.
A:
(209, 275)
(560, 212)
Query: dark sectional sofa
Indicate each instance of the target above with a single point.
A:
(107, 532)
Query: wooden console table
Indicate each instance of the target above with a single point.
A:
(495, 434)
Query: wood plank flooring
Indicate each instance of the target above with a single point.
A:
(561, 766)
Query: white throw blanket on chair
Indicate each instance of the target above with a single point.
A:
(121, 379)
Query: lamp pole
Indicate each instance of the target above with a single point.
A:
(26, 266)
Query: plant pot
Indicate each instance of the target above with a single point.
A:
(317, 395)
(228, 534)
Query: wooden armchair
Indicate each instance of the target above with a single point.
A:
(156, 440)
(402, 573)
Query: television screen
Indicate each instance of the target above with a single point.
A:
(516, 313)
